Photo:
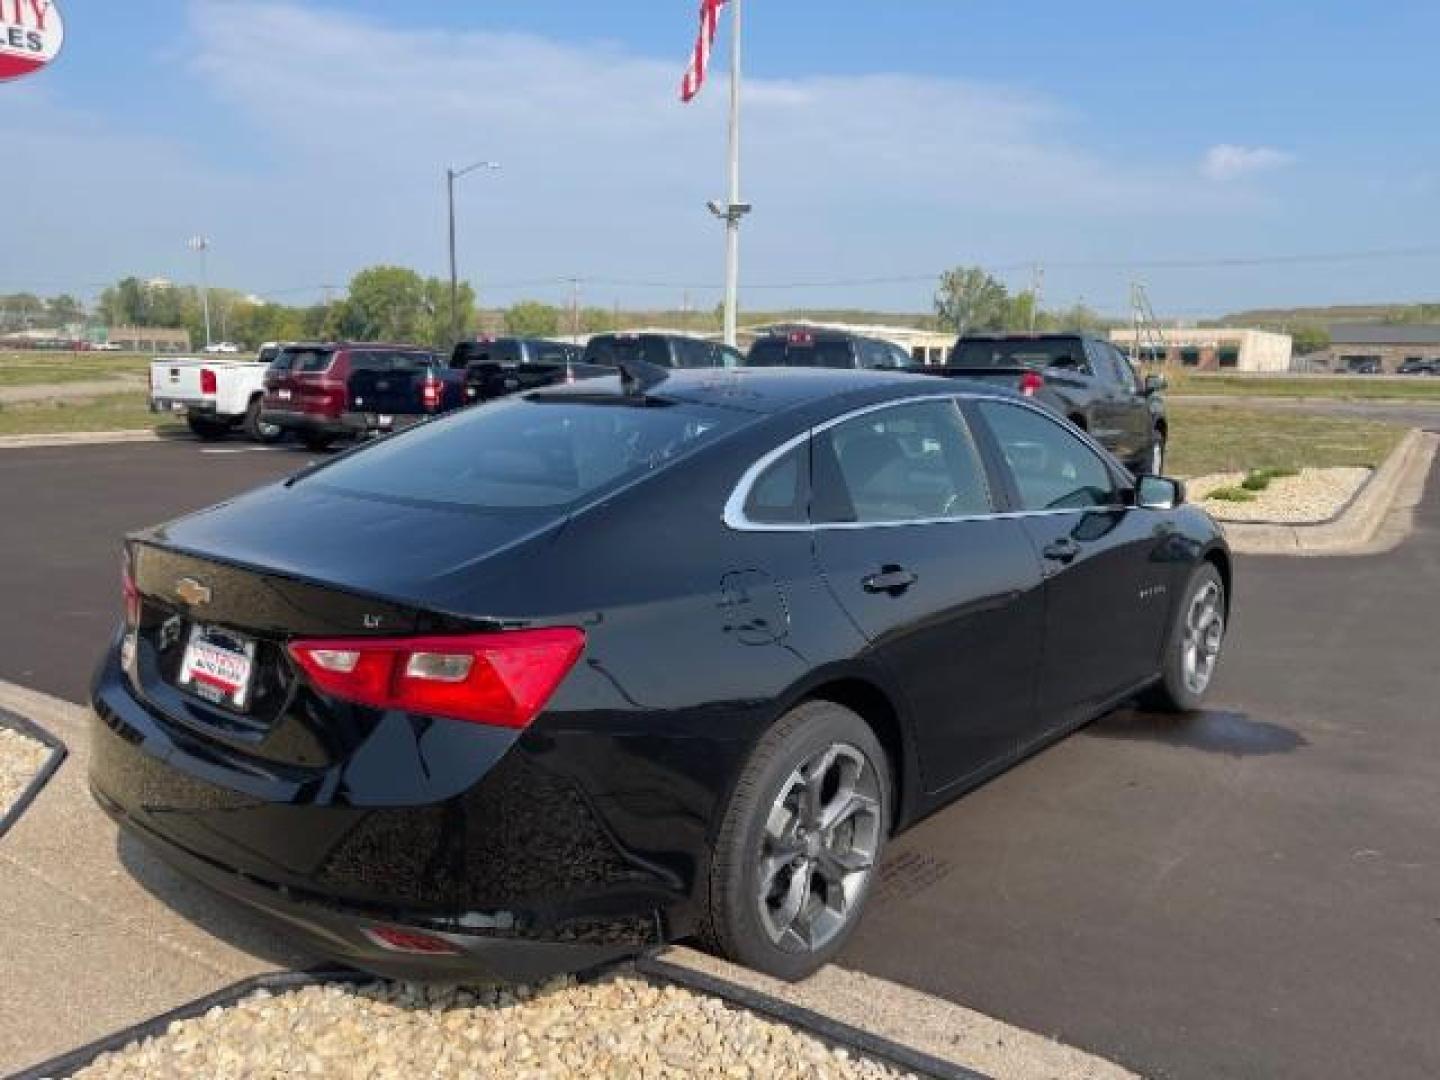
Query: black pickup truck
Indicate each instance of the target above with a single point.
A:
(1086, 380)
(495, 367)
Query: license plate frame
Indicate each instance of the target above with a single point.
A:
(218, 666)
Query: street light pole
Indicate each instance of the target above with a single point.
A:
(201, 244)
(733, 210)
(451, 175)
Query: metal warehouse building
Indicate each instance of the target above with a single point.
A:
(1216, 349)
(1358, 345)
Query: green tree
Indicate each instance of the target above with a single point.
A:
(597, 320)
(970, 299)
(64, 311)
(1309, 339)
(386, 303)
(532, 318)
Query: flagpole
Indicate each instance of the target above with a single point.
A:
(734, 209)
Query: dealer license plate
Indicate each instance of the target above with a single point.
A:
(218, 666)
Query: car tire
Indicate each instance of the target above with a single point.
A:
(786, 888)
(207, 428)
(1193, 646)
(316, 442)
(259, 431)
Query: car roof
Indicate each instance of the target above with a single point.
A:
(1026, 335)
(776, 390)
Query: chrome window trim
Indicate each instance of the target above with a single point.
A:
(734, 514)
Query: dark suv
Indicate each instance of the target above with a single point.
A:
(1086, 380)
(664, 350)
(826, 348)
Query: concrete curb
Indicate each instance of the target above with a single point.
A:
(1353, 530)
(58, 752)
(81, 438)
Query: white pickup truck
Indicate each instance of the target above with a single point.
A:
(215, 396)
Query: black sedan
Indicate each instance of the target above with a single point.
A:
(662, 656)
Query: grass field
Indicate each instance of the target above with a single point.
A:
(1225, 438)
(1333, 387)
(114, 412)
(41, 368)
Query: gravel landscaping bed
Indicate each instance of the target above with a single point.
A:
(619, 1026)
(1311, 496)
(21, 759)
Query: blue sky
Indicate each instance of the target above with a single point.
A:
(883, 141)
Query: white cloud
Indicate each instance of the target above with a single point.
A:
(1228, 162)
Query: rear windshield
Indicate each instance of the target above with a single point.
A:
(484, 352)
(1050, 352)
(609, 351)
(307, 360)
(776, 352)
(390, 360)
(523, 454)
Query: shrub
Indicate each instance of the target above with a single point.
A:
(1231, 494)
(1256, 481)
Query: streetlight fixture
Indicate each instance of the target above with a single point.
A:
(451, 175)
(200, 245)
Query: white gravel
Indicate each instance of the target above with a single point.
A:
(21, 758)
(622, 1026)
(1312, 496)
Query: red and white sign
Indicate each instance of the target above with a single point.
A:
(31, 34)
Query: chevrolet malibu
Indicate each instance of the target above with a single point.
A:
(669, 655)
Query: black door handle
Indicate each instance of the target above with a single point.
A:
(1063, 550)
(891, 579)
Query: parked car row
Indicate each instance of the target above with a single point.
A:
(322, 392)
(666, 656)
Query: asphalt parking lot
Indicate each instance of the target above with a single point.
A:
(1252, 891)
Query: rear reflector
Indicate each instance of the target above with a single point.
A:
(1030, 382)
(503, 679)
(209, 384)
(394, 939)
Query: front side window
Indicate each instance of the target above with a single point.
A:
(1053, 468)
(910, 462)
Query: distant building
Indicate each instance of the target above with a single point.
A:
(1215, 349)
(154, 339)
(1359, 346)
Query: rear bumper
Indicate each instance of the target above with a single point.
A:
(346, 425)
(517, 873)
(182, 406)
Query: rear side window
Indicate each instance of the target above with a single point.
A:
(524, 454)
(1053, 469)
(311, 361)
(781, 494)
(283, 362)
(1043, 353)
(268, 356)
(911, 462)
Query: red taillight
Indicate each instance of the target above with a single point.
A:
(503, 679)
(208, 383)
(430, 393)
(1030, 382)
(130, 592)
(396, 939)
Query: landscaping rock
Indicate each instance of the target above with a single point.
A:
(620, 1026)
(21, 759)
(1312, 495)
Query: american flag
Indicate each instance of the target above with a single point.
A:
(695, 73)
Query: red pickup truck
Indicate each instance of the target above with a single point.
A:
(335, 390)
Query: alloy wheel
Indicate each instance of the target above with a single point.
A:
(1203, 634)
(818, 848)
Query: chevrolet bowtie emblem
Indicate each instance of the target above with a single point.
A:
(192, 592)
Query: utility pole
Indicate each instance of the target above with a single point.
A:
(733, 209)
(1037, 291)
(451, 175)
(575, 311)
(201, 245)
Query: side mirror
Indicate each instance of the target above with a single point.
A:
(1155, 383)
(1159, 493)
